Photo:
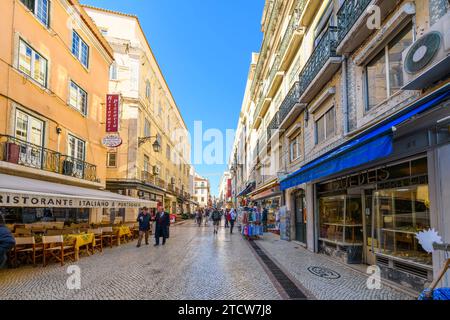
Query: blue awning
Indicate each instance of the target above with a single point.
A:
(249, 188)
(372, 145)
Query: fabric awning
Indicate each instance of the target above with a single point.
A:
(249, 188)
(369, 146)
(26, 192)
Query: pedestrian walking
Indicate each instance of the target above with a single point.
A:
(233, 217)
(227, 218)
(206, 217)
(144, 219)
(162, 225)
(6, 243)
(216, 220)
(198, 217)
(264, 219)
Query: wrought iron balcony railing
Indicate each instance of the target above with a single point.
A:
(293, 25)
(289, 102)
(348, 14)
(325, 49)
(30, 155)
(273, 125)
(148, 177)
(160, 182)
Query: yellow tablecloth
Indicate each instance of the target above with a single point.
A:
(81, 239)
(123, 231)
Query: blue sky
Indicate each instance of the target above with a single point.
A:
(204, 49)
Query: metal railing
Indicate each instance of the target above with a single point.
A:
(273, 125)
(30, 155)
(348, 14)
(289, 102)
(147, 177)
(324, 50)
(293, 25)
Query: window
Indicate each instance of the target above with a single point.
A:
(324, 22)
(147, 90)
(146, 163)
(111, 160)
(147, 131)
(113, 71)
(80, 49)
(294, 148)
(40, 9)
(325, 126)
(384, 74)
(168, 152)
(78, 98)
(32, 63)
(30, 130)
(76, 150)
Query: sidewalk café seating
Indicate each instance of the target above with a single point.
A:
(110, 236)
(26, 247)
(53, 232)
(98, 239)
(54, 247)
(22, 232)
(118, 221)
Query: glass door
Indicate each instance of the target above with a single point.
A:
(31, 131)
(76, 150)
(300, 216)
(370, 236)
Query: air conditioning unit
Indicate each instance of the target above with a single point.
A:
(156, 170)
(427, 60)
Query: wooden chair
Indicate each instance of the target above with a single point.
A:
(23, 232)
(98, 239)
(26, 246)
(53, 232)
(54, 247)
(110, 236)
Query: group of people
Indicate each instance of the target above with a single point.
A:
(160, 219)
(216, 216)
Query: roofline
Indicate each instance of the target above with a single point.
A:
(93, 27)
(150, 48)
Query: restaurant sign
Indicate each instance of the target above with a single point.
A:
(45, 201)
(112, 141)
(112, 113)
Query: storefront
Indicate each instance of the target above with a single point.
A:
(269, 198)
(26, 200)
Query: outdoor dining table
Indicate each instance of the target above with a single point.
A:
(122, 231)
(81, 240)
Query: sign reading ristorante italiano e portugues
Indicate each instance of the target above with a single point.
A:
(40, 201)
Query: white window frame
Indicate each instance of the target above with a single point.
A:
(108, 160)
(79, 54)
(79, 92)
(32, 64)
(75, 153)
(325, 125)
(295, 143)
(113, 72)
(44, 21)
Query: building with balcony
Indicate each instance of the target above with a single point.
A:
(153, 161)
(202, 191)
(225, 191)
(54, 66)
(362, 122)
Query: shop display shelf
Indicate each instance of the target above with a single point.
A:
(340, 243)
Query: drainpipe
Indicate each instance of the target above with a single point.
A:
(345, 95)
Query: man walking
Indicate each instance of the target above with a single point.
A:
(264, 219)
(227, 218)
(162, 225)
(144, 226)
(216, 216)
(233, 217)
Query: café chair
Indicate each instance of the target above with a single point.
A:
(53, 232)
(98, 239)
(54, 247)
(26, 247)
(23, 232)
(110, 236)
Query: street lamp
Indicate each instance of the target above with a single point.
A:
(156, 145)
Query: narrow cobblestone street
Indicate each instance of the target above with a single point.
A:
(194, 264)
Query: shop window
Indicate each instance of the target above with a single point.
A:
(384, 74)
(32, 63)
(80, 49)
(40, 9)
(78, 98)
(111, 160)
(326, 126)
(401, 213)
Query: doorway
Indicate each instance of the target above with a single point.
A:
(300, 216)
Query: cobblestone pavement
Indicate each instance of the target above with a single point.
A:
(350, 285)
(194, 264)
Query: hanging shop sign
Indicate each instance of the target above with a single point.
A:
(112, 113)
(112, 141)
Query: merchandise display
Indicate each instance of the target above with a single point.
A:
(250, 220)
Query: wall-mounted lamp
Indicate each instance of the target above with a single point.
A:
(58, 130)
(156, 145)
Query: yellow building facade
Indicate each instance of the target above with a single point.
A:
(148, 115)
(54, 66)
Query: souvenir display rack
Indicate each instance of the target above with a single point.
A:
(251, 227)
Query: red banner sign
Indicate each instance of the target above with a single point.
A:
(112, 113)
(229, 188)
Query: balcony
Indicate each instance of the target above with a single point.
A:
(292, 37)
(275, 78)
(26, 154)
(273, 125)
(320, 67)
(290, 107)
(148, 178)
(352, 20)
(160, 183)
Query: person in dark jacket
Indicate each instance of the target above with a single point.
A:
(162, 224)
(264, 219)
(6, 243)
(144, 225)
